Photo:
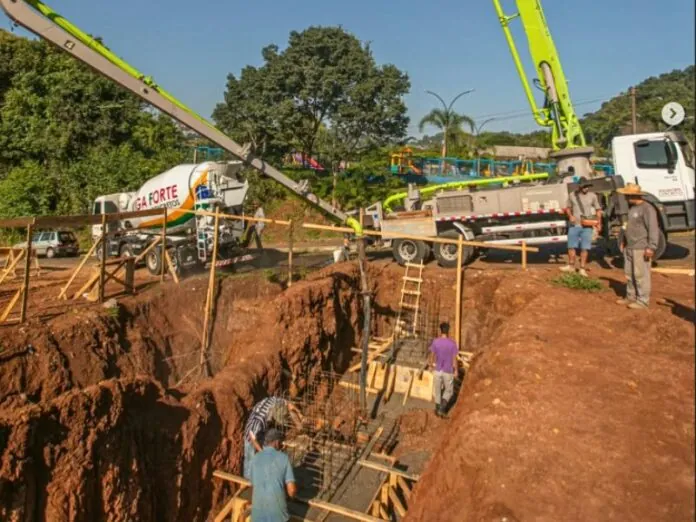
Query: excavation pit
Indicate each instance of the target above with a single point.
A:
(98, 420)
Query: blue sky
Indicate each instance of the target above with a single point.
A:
(444, 45)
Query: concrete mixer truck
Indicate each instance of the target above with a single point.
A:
(184, 188)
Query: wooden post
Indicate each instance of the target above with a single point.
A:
(102, 261)
(364, 290)
(27, 270)
(362, 217)
(524, 255)
(458, 299)
(164, 245)
(290, 247)
(209, 300)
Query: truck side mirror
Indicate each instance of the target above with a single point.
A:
(671, 158)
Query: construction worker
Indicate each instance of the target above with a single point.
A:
(638, 245)
(443, 353)
(271, 478)
(271, 409)
(584, 215)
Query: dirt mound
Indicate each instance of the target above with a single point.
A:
(93, 425)
(575, 409)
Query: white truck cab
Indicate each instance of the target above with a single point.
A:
(662, 163)
(109, 204)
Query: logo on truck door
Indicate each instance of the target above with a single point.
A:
(165, 197)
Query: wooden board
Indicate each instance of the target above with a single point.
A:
(381, 371)
(422, 387)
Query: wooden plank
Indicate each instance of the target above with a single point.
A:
(524, 255)
(408, 389)
(102, 259)
(240, 218)
(394, 235)
(391, 381)
(380, 376)
(163, 241)
(675, 271)
(371, 370)
(383, 513)
(77, 270)
(388, 469)
(290, 247)
(405, 488)
(355, 386)
(12, 266)
(89, 284)
(210, 298)
(458, 298)
(396, 501)
(371, 357)
(225, 511)
(27, 270)
(10, 306)
(422, 387)
(320, 504)
(171, 266)
(20, 222)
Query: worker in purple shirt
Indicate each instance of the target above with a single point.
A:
(443, 352)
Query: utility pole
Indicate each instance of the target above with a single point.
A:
(634, 116)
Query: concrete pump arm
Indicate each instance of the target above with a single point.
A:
(44, 22)
(558, 112)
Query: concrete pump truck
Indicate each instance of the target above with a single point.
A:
(208, 186)
(662, 162)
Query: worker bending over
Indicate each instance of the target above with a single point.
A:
(443, 353)
(269, 410)
(271, 478)
(584, 216)
(638, 245)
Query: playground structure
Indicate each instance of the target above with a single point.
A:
(301, 160)
(448, 169)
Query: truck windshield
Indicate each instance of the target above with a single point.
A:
(653, 154)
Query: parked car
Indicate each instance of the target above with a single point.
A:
(53, 243)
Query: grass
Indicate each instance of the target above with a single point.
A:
(578, 282)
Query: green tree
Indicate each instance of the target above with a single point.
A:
(451, 123)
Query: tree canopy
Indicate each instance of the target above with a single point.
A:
(68, 135)
(323, 94)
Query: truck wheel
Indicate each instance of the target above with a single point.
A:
(126, 251)
(446, 254)
(153, 261)
(661, 244)
(409, 251)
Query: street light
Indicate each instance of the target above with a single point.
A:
(478, 152)
(447, 108)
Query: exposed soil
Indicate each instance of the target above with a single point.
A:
(101, 417)
(574, 409)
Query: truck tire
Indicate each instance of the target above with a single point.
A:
(661, 244)
(446, 254)
(153, 261)
(125, 251)
(410, 251)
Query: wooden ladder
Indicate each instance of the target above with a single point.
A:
(409, 306)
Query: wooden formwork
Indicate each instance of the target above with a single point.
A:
(12, 258)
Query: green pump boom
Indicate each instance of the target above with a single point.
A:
(44, 22)
(557, 112)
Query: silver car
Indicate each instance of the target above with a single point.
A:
(52, 244)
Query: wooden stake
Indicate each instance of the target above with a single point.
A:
(102, 262)
(290, 247)
(209, 301)
(164, 245)
(458, 299)
(27, 270)
(10, 306)
(11, 264)
(364, 290)
(64, 290)
(172, 270)
(524, 255)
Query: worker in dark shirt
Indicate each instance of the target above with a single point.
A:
(638, 245)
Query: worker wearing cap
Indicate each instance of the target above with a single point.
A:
(638, 245)
(271, 477)
(584, 215)
(269, 410)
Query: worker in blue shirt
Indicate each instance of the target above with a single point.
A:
(271, 479)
